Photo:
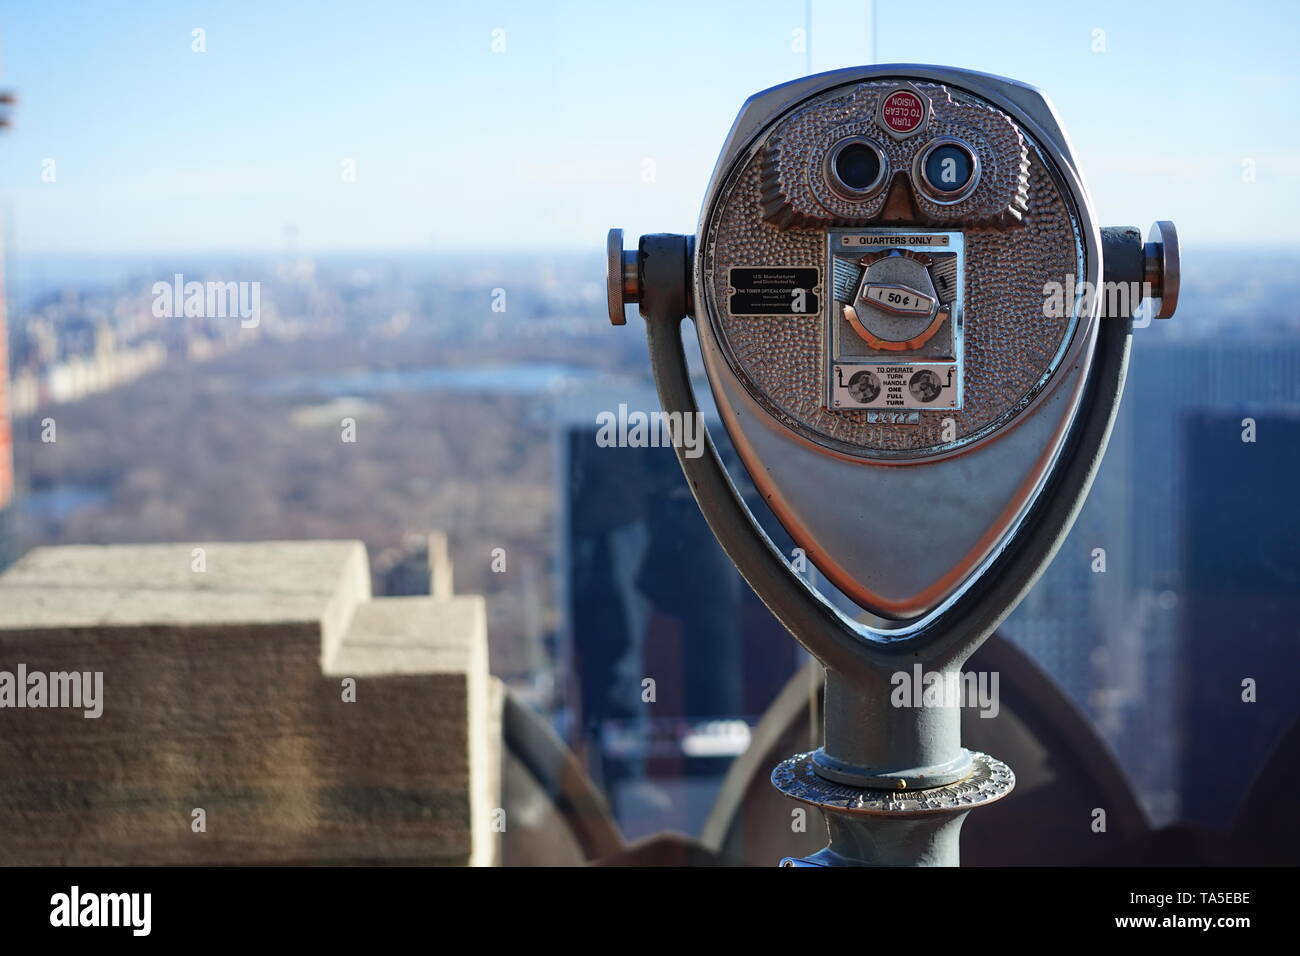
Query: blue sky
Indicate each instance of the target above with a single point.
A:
(159, 149)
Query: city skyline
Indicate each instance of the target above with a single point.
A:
(442, 127)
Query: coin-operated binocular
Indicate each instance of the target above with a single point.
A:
(916, 336)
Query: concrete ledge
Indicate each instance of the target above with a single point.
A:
(308, 721)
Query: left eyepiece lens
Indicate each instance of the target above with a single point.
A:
(855, 168)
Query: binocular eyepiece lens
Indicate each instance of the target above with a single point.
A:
(857, 167)
(948, 170)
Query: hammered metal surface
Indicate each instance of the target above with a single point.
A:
(1011, 349)
(990, 780)
(795, 192)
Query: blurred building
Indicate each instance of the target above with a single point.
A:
(673, 657)
(421, 565)
(1240, 664)
(8, 530)
(1112, 638)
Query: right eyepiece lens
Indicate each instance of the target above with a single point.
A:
(858, 166)
(949, 167)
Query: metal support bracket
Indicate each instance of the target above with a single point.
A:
(894, 784)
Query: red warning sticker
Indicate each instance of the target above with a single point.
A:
(902, 112)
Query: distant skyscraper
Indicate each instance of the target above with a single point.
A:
(650, 595)
(8, 531)
(8, 521)
(1112, 639)
(1241, 599)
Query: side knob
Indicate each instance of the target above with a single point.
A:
(1162, 268)
(621, 279)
